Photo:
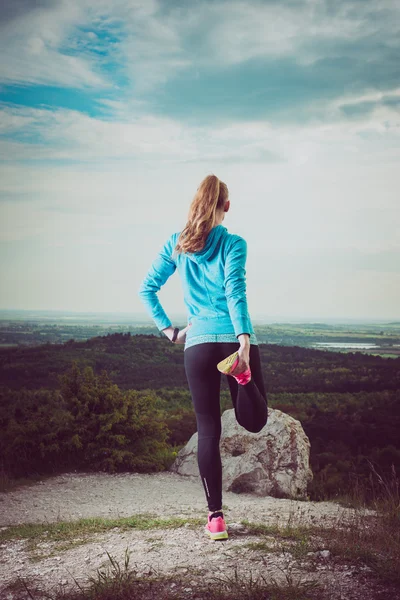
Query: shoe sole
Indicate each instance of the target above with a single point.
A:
(219, 535)
(225, 366)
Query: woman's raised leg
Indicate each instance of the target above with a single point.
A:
(249, 400)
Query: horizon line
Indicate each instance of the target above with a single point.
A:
(178, 316)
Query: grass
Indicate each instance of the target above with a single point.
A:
(246, 586)
(289, 531)
(67, 530)
(263, 546)
(376, 545)
(372, 541)
(67, 534)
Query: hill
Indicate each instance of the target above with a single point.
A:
(55, 416)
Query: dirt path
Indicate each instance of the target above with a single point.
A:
(183, 552)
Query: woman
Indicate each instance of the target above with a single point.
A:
(219, 337)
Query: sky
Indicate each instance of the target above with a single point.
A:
(112, 112)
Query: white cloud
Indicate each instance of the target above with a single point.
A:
(368, 96)
(68, 134)
(34, 49)
(48, 45)
(239, 31)
(154, 41)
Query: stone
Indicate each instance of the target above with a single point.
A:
(273, 462)
(236, 526)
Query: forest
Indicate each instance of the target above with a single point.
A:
(120, 402)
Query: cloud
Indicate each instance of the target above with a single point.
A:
(13, 9)
(374, 102)
(238, 31)
(67, 134)
(358, 135)
(76, 43)
(35, 50)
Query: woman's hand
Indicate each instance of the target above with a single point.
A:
(181, 337)
(244, 360)
(244, 355)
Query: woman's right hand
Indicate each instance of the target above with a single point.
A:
(243, 354)
(244, 360)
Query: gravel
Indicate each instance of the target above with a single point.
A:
(184, 553)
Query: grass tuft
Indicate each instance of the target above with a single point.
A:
(66, 530)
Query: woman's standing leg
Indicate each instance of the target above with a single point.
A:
(250, 400)
(204, 383)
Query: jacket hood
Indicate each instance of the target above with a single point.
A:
(211, 245)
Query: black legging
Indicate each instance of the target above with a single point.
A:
(249, 402)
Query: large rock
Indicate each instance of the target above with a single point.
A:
(272, 462)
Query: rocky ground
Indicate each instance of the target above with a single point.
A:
(184, 552)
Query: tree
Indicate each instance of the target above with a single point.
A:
(112, 430)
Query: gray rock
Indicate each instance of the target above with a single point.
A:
(273, 462)
(236, 526)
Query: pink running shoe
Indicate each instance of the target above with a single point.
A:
(216, 526)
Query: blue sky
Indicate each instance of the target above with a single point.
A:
(111, 113)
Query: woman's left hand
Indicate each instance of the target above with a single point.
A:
(181, 338)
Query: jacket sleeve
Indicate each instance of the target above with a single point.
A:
(161, 269)
(235, 286)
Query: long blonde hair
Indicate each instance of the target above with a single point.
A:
(211, 195)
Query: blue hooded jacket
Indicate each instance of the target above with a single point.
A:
(213, 281)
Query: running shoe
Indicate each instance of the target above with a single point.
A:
(227, 365)
(216, 527)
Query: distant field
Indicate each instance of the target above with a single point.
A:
(52, 329)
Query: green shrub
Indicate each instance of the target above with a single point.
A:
(112, 430)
